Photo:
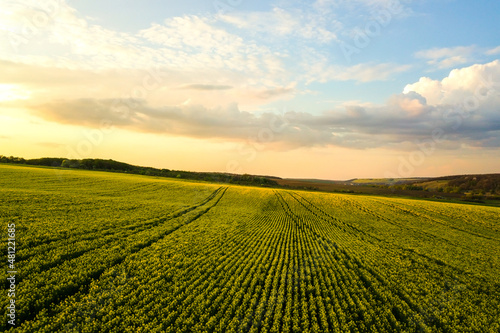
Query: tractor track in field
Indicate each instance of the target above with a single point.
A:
(424, 233)
(382, 279)
(321, 214)
(120, 233)
(410, 250)
(70, 290)
(428, 263)
(336, 251)
(436, 220)
(90, 234)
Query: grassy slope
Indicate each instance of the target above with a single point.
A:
(386, 181)
(93, 244)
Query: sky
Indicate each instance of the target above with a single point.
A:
(323, 89)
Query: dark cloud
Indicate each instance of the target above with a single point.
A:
(271, 93)
(86, 111)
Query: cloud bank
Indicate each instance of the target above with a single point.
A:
(464, 107)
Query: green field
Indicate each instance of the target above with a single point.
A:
(105, 252)
(387, 181)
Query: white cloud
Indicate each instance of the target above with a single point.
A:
(284, 23)
(189, 44)
(431, 89)
(321, 71)
(369, 5)
(493, 51)
(438, 53)
(447, 57)
(477, 81)
(193, 32)
(53, 31)
(370, 72)
(160, 86)
(197, 44)
(206, 46)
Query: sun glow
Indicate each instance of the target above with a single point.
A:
(11, 92)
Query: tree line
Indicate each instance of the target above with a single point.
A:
(115, 166)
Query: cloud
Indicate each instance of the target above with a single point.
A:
(304, 25)
(137, 115)
(477, 82)
(275, 92)
(54, 25)
(321, 71)
(468, 101)
(187, 43)
(447, 57)
(159, 86)
(236, 47)
(394, 6)
(493, 51)
(307, 40)
(367, 72)
(437, 53)
(195, 43)
(465, 110)
(205, 87)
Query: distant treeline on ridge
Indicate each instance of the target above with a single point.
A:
(115, 166)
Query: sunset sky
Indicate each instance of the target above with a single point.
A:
(307, 89)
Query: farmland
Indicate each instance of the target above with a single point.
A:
(104, 252)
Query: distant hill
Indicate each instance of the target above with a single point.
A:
(385, 181)
(115, 166)
(482, 184)
(472, 188)
(459, 184)
(320, 181)
(360, 181)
